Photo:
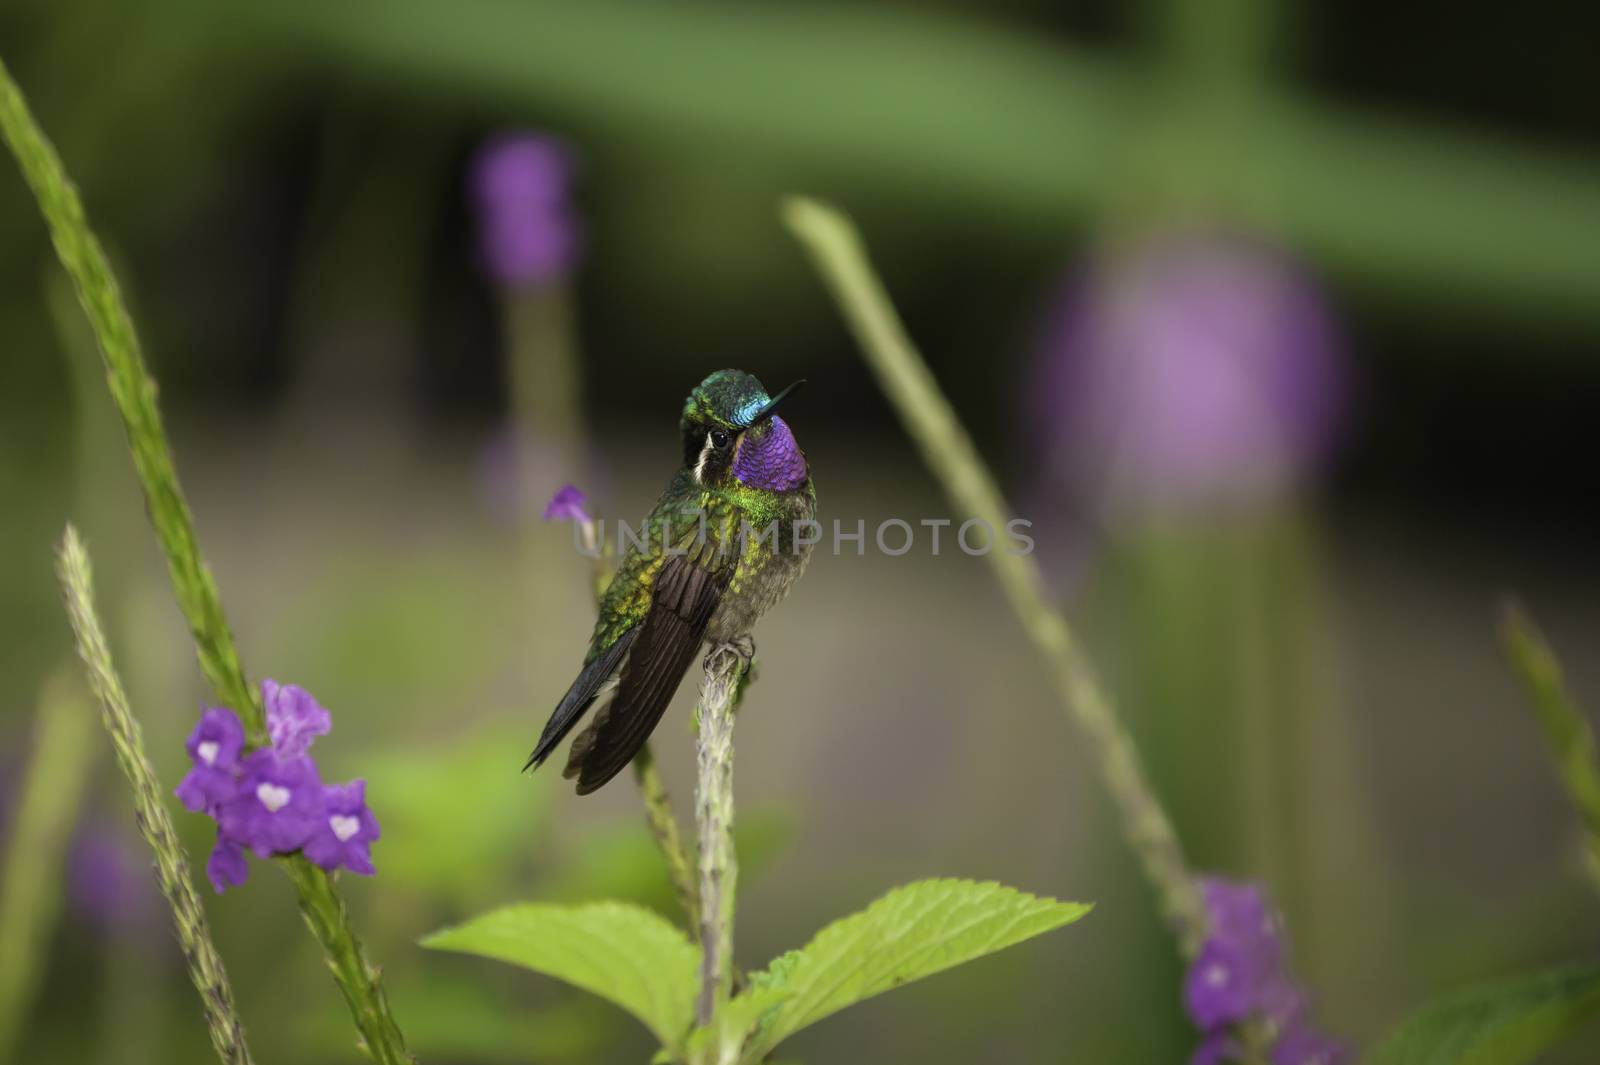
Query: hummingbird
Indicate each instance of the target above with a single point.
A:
(720, 549)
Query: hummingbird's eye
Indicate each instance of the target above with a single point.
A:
(719, 438)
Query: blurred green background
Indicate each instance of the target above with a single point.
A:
(1292, 598)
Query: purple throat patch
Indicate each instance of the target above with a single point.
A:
(770, 459)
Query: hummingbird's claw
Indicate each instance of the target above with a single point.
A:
(744, 647)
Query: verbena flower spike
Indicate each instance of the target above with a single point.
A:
(134, 392)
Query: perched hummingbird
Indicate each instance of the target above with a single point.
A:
(721, 550)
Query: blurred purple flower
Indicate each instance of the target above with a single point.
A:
(106, 880)
(568, 504)
(294, 718)
(1190, 371)
(1241, 973)
(344, 838)
(213, 748)
(1215, 1049)
(1220, 987)
(277, 806)
(526, 232)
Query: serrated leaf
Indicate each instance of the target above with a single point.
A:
(1504, 1023)
(913, 931)
(623, 953)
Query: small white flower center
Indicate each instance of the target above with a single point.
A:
(343, 827)
(207, 751)
(273, 796)
(1216, 975)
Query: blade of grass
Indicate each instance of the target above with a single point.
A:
(149, 800)
(836, 249)
(1566, 731)
(53, 788)
(134, 391)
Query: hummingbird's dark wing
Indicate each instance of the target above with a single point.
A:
(578, 698)
(685, 596)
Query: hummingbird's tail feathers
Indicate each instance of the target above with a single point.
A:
(687, 592)
(580, 697)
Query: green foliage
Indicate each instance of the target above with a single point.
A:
(1504, 1023)
(625, 954)
(634, 958)
(447, 813)
(913, 931)
(1566, 731)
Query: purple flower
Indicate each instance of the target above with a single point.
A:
(1242, 973)
(294, 718)
(1189, 370)
(277, 807)
(1220, 988)
(226, 867)
(526, 232)
(568, 504)
(1240, 914)
(344, 838)
(1302, 1046)
(213, 748)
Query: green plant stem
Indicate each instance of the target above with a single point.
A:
(669, 838)
(1566, 731)
(324, 911)
(718, 865)
(836, 249)
(150, 811)
(657, 807)
(134, 392)
(53, 788)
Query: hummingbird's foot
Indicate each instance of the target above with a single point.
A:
(744, 647)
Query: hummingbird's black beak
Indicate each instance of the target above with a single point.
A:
(772, 404)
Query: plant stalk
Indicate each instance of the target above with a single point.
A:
(155, 824)
(713, 805)
(1567, 732)
(836, 249)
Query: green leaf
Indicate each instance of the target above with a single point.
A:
(1504, 1023)
(622, 953)
(913, 931)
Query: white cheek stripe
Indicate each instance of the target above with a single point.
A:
(700, 466)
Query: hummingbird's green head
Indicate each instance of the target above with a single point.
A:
(730, 433)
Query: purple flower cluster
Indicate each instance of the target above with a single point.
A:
(1242, 974)
(272, 801)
